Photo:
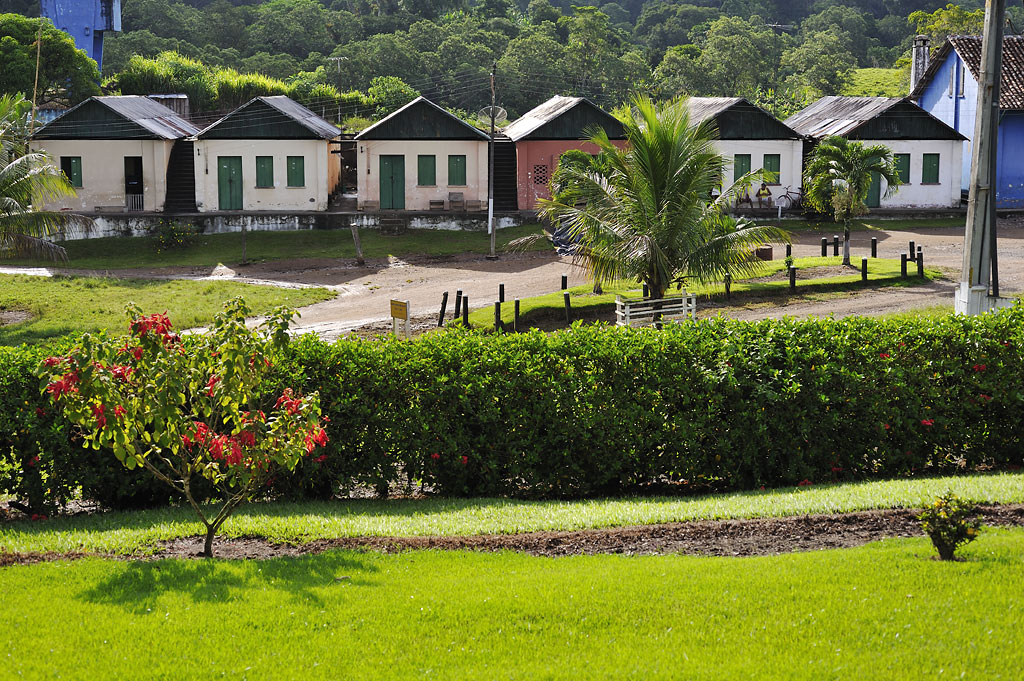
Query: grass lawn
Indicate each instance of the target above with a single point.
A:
(115, 253)
(881, 272)
(881, 611)
(877, 83)
(867, 224)
(121, 532)
(62, 305)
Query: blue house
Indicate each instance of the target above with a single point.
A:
(948, 89)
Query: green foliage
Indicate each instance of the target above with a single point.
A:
(950, 522)
(877, 83)
(188, 413)
(389, 94)
(66, 74)
(946, 21)
(172, 235)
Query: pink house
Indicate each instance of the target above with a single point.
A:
(544, 133)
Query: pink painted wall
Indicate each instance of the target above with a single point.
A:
(533, 153)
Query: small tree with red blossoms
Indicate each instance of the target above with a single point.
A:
(185, 410)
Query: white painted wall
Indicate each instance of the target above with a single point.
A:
(914, 194)
(312, 196)
(103, 172)
(791, 165)
(368, 155)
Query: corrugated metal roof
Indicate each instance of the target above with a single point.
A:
(738, 119)
(152, 117)
(378, 128)
(1011, 80)
(273, 117)
(564, 118)
(303, 116)
(838, 115)
(539, 115)
(703, 108)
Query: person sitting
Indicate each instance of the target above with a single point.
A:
(764, 196)
(743, 197)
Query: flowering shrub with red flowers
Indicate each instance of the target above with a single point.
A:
(186, 414)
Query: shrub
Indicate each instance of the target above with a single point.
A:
(950, 522)
(171, 235)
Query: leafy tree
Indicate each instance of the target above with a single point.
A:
(838, 176)
(530, 71)
(946, 21)
(854, 29)
(680, 73)
(66, 75)
(649, 216)
(280, 22)
(740, 55)
(389, 94)
(540, 11)
(822, 63)
(29, 179)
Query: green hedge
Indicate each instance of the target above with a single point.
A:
(717, 404)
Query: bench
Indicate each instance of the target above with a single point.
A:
(473, 206)
(369, 205)
(456, 201)
(436, 204)
(643, 310)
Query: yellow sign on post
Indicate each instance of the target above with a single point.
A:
(400, 310)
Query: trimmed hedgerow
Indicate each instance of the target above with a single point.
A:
(712, 405)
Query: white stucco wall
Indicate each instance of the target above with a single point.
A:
(368, 155)
(915, 194)
(312, 196)
(103, 172)
(790, 160)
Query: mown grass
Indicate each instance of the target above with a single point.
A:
(867, 224)
(882, 611)
(63, 305)
(585, 303)
(115, 253)
(124, 532)
(877, 83)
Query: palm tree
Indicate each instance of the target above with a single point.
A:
(838, 178)
(29, 179)
(646, 212)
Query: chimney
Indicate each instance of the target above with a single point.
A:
(919, 60)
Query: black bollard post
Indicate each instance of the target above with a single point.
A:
(920, 263)
(874, 247)
(565, 281)
(444, 305)
(864, 270)
(835, 244)
(497, 315)
(568, 307)
(789, 250)
(824, 247)
(728, 286)
(903, 265)
(792, 278)
(458, 304)
(515, 319)
(465, 311)
(912, 250)
(647, 291)
(501, 293)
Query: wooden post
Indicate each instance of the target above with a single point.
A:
(912, 250)
(728, 286)
(903, 265)
(355, 240)
(824, 247)
(835, 244)
(444, 306)
(874, 247)
(501, 293)
(920, 263)
(465, 311)
(458, 304)
(497, 315)
(864, 270)
(792, 278)
(515, 319)
(565, 281)
(568, 308)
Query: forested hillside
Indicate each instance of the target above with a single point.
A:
(780, 53)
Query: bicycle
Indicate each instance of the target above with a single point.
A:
(790, 200)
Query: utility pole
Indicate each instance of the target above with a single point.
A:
(35, 85)
(980, 265)
(490, 169)
(338, 60)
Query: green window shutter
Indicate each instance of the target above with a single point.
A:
(426, 170)
(773, 165)
(264, 171)
(457, 170)
(296, 171)
(71, 166)
(902, 163)
(740, 166)
(930, 169)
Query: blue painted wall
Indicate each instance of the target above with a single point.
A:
(85, 21)
(958, 111)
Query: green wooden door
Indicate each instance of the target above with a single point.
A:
(229, 182)
(874, 191)
(392, 182)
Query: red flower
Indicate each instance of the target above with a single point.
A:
(137, 352)
(53, 361)
(804, 483)
(884, 355)
(927, 422)
(247, 439)
(985, 397)
(38, 516)
(40, 412)
(214, 380)
(321, 458)
(465, 460)
(980, 367)
(33, 461)
(121, 373)
(837, 469)
(886, 426)
(119, 411)
(435, 456)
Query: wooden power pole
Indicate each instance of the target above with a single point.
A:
(490, 170)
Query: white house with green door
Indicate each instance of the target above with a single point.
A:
(422, 158)
(270, 154)
(927, 152)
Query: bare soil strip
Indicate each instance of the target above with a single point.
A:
(753, 537)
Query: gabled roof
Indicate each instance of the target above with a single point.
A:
(276, 117)
(870, 118)
(563, 118)
(421, 119)
(1011, 81)
(737, 118)
(124, 117)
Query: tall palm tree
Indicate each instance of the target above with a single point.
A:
(646, 212)
(838, 178)
(27, 180)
